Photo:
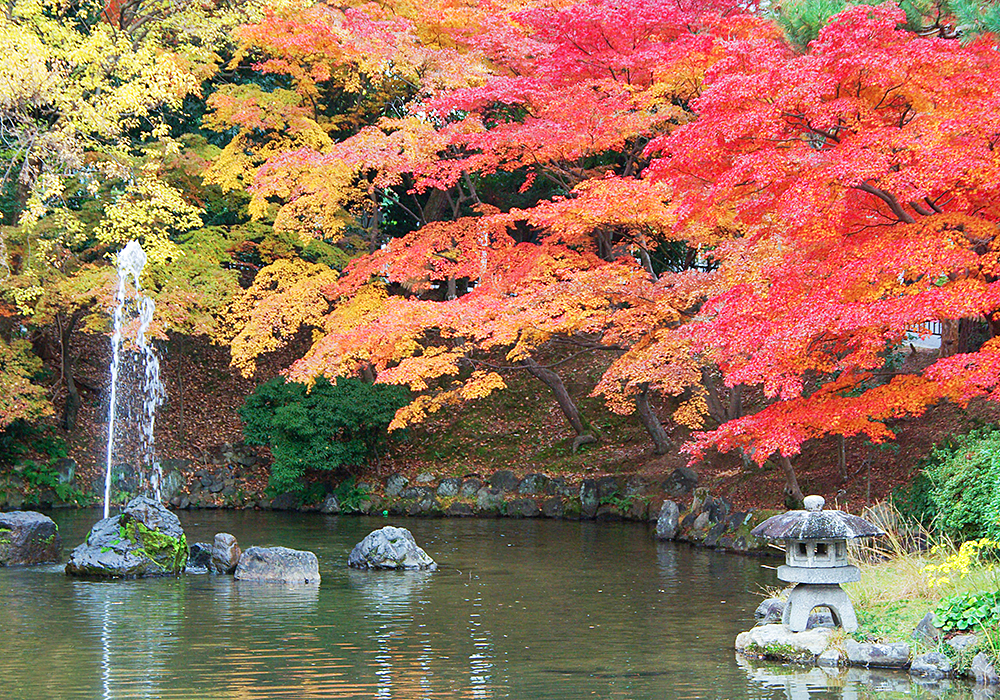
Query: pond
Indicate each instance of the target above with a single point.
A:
(518, 609)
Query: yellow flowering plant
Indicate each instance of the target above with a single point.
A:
(969, 557)
(975, 609)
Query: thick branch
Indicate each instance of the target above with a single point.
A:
(889, 199)
(661, 442)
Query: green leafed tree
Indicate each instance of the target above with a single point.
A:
(802, 20)
(320, 427)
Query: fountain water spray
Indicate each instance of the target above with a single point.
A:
(134, 310)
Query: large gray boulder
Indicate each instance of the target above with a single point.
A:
(27, 537)
(389, 548)
(144, 540)
(278, 565)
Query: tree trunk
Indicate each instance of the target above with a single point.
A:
(842, 458)
(735, 408)
(555, 383)
(661, 442)
(647, 262)
(368, 373)
(71, 409)
(374, 229)
(793, 494)
(180, 386)
(949, 338)
(721, 411)
(993, 321)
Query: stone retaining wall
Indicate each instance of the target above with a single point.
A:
(680, 509)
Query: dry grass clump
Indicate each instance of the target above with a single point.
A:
(893, 567)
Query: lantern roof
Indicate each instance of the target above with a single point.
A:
(814, 523)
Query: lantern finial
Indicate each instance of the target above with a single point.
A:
(814, 504)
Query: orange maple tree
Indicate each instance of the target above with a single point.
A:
(861, 177)
(824, 200)
(570, 95)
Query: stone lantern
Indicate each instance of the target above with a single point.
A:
(816, 560)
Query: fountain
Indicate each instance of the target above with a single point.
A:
(134, 310)
(145, 539)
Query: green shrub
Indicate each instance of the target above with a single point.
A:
(324, 426)
(964, 476)
(22, 438)
(968, 611)
(350, 496)
(914, 501)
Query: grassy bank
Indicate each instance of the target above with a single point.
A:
(912, 572)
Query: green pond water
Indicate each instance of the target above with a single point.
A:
(518, 609)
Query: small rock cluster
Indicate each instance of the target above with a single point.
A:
(501, 494)
(711, 521)
(220, 557)
(774, 641)
(260, 564)
(217, 483)
(146, 540)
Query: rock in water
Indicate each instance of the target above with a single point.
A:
(199, 558)
(668, 521)
(278, 565)
(27, 537)
(145, 540)
(390, 548)
(225, 554)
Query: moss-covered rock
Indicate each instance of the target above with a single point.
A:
(145, 540)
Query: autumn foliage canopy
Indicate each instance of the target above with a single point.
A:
(745, 222)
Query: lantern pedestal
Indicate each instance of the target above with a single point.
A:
(806, 596)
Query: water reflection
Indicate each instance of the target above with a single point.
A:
(279, 603)
(136, 623)
(518, 610)
(388, 592)
(810, 683)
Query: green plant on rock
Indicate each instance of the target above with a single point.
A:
(40, 477)
(323, 426)
(168, 552)
(350, 496)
